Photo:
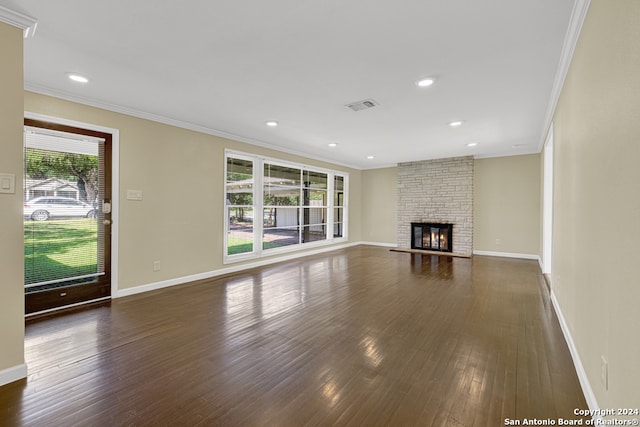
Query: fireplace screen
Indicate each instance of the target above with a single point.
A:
(432, 237)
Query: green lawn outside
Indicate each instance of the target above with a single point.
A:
(238, 245)
(58, 249)
(67, 248)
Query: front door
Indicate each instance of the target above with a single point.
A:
(67, 216)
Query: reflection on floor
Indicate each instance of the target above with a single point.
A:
(360, 336)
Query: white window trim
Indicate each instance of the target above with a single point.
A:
(258, 204)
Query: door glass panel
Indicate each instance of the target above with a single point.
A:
(63, 229)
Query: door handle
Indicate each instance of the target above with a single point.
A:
(107, 222)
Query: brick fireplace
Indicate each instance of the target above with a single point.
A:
(437, 192)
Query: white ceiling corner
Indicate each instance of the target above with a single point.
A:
(17, 19)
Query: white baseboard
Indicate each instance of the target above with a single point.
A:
(508, 255)
(384, 245)
(577, 362)
(227, 270)
(12, 374)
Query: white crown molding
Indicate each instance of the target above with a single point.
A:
(578, 15)
(24, 22)
(43, 90)
(515, 152)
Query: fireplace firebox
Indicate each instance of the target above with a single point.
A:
(432, 237)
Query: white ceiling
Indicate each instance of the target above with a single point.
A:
(227, 66)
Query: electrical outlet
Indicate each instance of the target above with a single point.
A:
(604, 372)
(498, 241)
(156, 265)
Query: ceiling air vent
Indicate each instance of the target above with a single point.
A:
(362, 105)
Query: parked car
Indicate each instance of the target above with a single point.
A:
(44, 208)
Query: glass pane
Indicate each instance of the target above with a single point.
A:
(280, 236)
(314, 216)
(338, 183)
(239, 197)
(281, 217)
(314, 179)
(315, 197)
(281, 175)
(444, 239)
(435, 238)
(418, 238)
(338, 218)
(240, 235)
(426, 237)
(281, 196)
(313, 233)
(239, 182)
(337, 229)
(62, 234)
(58, 249)
(239, 169)
(338, 198)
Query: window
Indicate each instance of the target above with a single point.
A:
(299, 205)
(338, 203)
(240, 210)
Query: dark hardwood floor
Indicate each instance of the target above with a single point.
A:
(361, 336)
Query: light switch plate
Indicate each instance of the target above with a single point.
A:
(7, 183)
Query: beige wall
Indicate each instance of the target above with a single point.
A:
(507, 197)
(597, 200)
(507, 205)
(379, 205)
(11, 224)
(180, 220)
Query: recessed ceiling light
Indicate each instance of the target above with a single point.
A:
(472, 144)
(332, 144)
(271, 123)
(425, 82)
(371, 157)
(455, 124)
(77, 77)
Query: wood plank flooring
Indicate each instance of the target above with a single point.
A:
(360, 336)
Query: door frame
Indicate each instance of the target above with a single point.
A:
(115, 185)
